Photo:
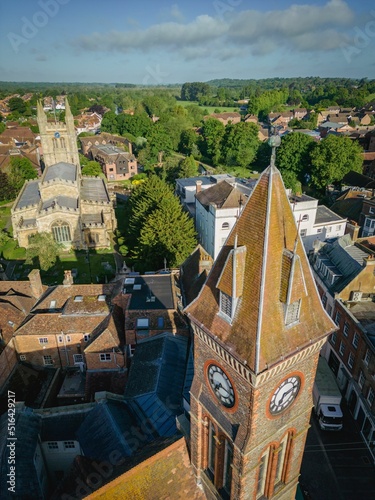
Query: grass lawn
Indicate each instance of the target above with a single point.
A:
(210, 109)
(4, 216)
(370, 97)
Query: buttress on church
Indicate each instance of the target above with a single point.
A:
(76, 209)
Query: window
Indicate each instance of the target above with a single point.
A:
(105, 357)
(227, 474)
(142, 323)
(292, 312)
(60, 339)
(328, 229)
(355, 340)
(22, 357)
(372, 210)
(324, 300)
(43, 340)
(78, 358)
(68, 338)
(370, 396)
(53, 445)
(361, 379)
(226, 304)
(319, 230)
(303, 233)
(225, 225)
(337, 318)
(367, 357)
(339, 227)
(86, 337)
(305, 217)
(69, 445)
(261, 483)
(342, 348)
(351, 360)
(346, 329)
(281, 460)
(61, 232)
(48, 360)
(52, 304)
(160, 322)
(333, 338)
(211, 449)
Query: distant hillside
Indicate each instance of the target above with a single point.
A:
(271, 83)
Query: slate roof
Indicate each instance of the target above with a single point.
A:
(63, 425)
(157, 285)
(62, 201)
(93, 188)
(111, 427)
(62, 170)
(356, 179)
(27, 431)
(349, 207)
(156, 380)
(194, 272)
(257, 332)
(29, 195)
(222, 195)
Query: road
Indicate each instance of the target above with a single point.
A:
(337, 465)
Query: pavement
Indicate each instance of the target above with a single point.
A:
(337, 465)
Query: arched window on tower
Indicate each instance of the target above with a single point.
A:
(219, 458)
(54, 143)
(62, 142)
(61, 232)
(225, 225)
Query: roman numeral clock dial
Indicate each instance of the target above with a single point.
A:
(221, 386)
(285, 394)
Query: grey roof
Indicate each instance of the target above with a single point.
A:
(92, 218)
(324, 215)
(109, 149)
(62, 201)
(27, 427)
(158, 286)
(329, 124)
(93, 189)
(61, 170)
(30, 195)
(346, 258)
(190, 181)
(108, 428)
(156, 380)
(62, 426)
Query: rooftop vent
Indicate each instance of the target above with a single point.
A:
(101, 298)
(78, 298)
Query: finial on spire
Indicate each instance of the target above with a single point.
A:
(274, 141)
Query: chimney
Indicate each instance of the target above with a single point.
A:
(68, 278)
(198, 185)
(352, 228)
(36, 283)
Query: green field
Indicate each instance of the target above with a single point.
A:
(210, 109)
(370, 98)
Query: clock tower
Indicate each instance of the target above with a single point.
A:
(258, 328)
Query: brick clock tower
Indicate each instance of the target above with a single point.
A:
(258, 328)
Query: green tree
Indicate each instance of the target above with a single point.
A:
(7, 191)
(158, 228)
(92, 168)
(188, 142)
(109, 123)
(293, 157)
(44, 248)
(334, 157)
(240, 144)
(16, 104)
(187, 167)
(212, 134)
(20, 170)
(2, 127)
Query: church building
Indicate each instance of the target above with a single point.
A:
(77, 210)
(258, 328)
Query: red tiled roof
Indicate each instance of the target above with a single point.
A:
(258, 334)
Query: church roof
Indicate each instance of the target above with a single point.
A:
(275, 273)
(94, 189)
(30, 195)
(61, 170)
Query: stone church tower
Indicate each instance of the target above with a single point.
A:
(58, 139)
(258, 328)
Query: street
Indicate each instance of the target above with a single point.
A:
(337, 465)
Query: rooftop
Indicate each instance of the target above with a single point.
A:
(94, 189)
(325, 215)
(150, 292)
(61, 170)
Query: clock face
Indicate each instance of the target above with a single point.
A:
(57, 134)
(221, 386)
(285, 394)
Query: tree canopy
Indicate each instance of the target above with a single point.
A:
(20, 170)
(158, 227)
(334, 157)
(43, 248)
(293, 158)
(92, 168)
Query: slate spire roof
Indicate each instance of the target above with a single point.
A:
(272, 275)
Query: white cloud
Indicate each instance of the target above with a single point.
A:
(298, 28)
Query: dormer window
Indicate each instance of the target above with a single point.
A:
(292, 312)
(226, 304)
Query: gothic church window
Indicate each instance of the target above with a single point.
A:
(61, 232)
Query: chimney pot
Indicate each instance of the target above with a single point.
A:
(198, 185)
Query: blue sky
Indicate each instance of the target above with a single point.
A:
(160, 42)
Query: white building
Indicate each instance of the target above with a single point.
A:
(315, 222)
(216, 211)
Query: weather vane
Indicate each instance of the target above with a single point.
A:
(274, 141)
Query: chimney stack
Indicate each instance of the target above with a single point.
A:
(36, 283)
(198, 185)
(68, 278)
